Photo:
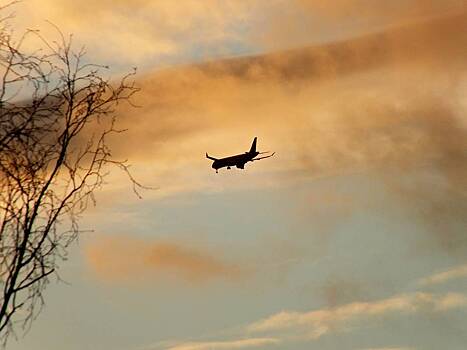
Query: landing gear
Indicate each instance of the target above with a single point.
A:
(217, 172)
(228, 168)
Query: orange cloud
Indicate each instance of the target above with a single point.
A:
(124, 258)
(144, 32)
(330, 93)
(386, 104)
(366, 8)
(300, 22)
(388, 100)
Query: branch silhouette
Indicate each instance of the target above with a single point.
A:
(56, 115)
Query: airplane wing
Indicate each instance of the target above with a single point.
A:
(263, 157)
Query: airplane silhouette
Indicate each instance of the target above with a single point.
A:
(238, 160)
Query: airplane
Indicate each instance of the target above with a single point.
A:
(238, 160)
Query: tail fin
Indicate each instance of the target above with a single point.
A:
(253, 146)
(209, 157)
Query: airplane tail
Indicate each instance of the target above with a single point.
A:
(209, 157)
(253, 146)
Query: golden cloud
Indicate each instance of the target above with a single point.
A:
(364, 8)
(389, 104)
(144, 32)
(300, 22)
(331, 93)
(136, 32)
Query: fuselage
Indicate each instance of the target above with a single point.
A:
(238, 160)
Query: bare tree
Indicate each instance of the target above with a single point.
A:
(56, 114)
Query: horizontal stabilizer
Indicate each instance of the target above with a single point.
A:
(263, 157)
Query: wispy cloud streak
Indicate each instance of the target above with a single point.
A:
(404, 348)
(226, 345)
(288, 327)
(445, 276)
(314, 324)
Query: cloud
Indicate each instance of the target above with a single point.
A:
(388, 99)
(231, 344)
(398, 348)
(445, 276)
(147, 33)
(320, 21)
(452, 301)
(366, 8)
(140, 32)
(127, 258)
(316, 323)
(337, 291)
(391, 104)
(183, 105)
(305, 326)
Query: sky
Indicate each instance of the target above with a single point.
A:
(352, 237)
